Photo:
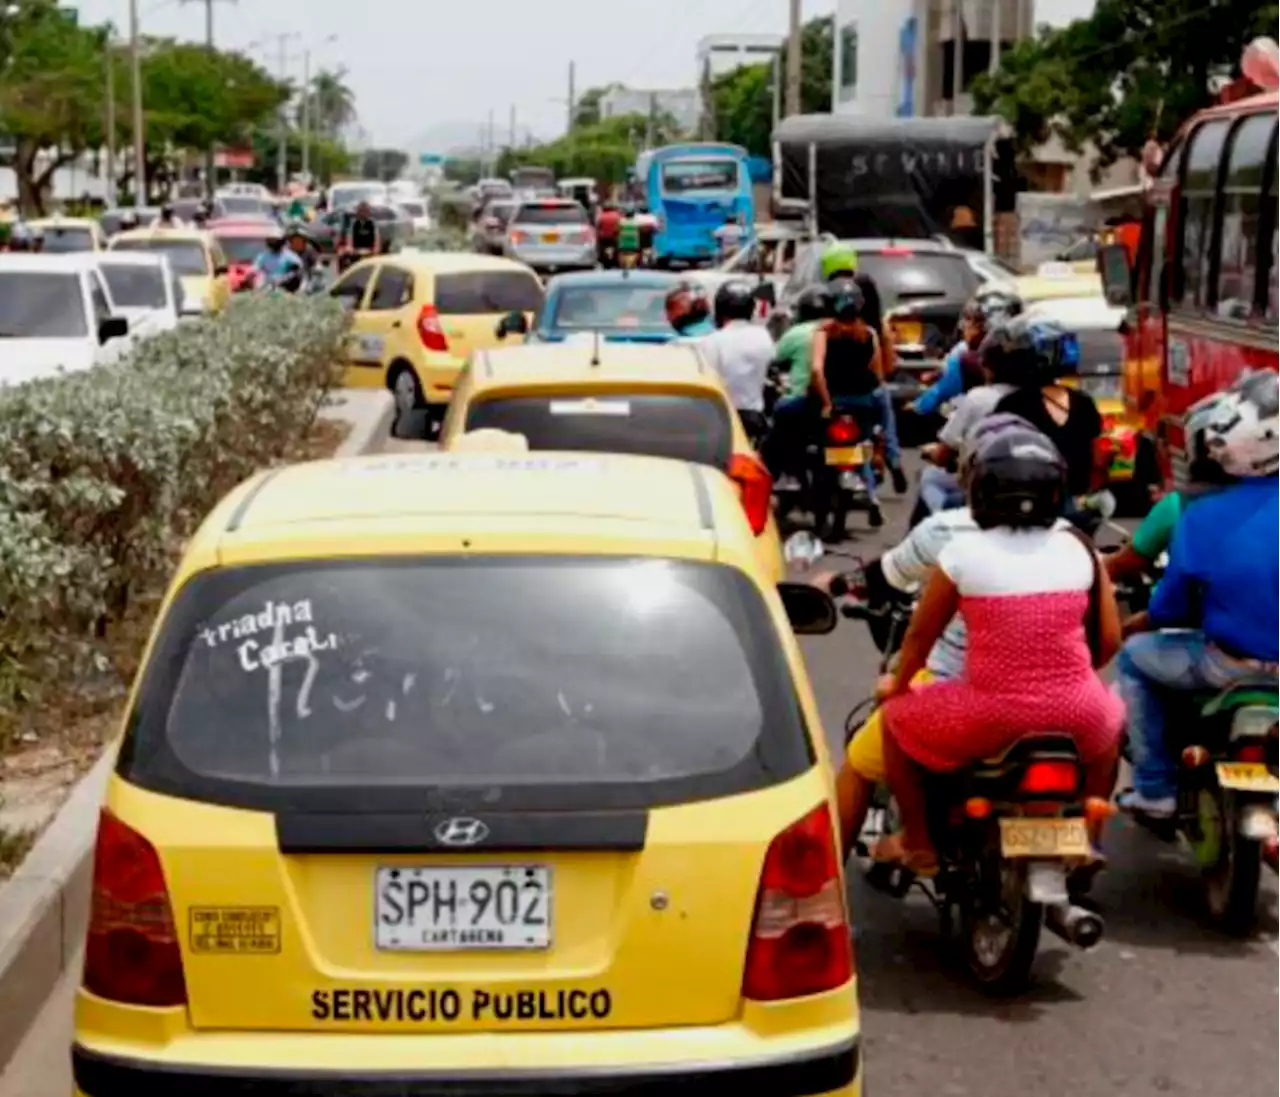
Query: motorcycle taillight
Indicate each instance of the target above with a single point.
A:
(842, 432)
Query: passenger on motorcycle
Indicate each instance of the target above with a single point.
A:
(1219, 595)
(608, 221)
(277, 266)
(873, 314)
(846, 373)
(740, 352)
(688, 311)
(1040, 617)
(301, 246)
(794, 413)
(894, 575)
(977, 318)
(629, 234)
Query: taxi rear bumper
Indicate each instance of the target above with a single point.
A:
(829, 1070)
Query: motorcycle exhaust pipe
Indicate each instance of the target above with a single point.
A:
(1074, 924)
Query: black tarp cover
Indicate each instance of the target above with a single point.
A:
(904, 177)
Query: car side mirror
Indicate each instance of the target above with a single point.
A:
(1113, 267)
(767, 292)
(112, 327)
(812, 612)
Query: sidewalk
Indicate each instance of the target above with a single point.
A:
(42, 1066)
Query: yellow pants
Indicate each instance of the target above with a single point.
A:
(865, 752)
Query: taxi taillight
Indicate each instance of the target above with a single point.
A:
(800, 941)
(131, 953)
(755, 486)
(430, 330)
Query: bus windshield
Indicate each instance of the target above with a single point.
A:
(692, 176)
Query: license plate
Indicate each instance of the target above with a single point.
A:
(551, 238)
(844, 455)
(907, 332)
(492, 907)
(1043, 838)
(1247, 777)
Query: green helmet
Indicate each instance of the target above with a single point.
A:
(838, 259)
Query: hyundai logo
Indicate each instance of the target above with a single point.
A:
(461, 832)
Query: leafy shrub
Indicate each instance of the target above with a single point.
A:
(103, 472)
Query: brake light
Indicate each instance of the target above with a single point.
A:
(1050, 779)
(895, 251)
(430, 331)
(131, 953)
(519, 237)
(755, 486)
(800, 942)
(1255, 752)
(842, 432)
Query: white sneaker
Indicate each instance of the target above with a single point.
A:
(1161, 807)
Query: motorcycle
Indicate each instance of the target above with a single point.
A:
(1009, 830)
(836, 465)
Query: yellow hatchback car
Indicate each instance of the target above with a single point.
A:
(417, 316)
(64, 235)
(603, 397)
(196, 258)
(472, 774)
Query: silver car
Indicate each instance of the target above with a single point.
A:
(551, 235)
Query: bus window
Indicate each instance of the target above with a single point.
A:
(1242, 215)
(1157, 275)
(1199, 194)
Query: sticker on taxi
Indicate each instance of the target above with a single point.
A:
(234, 931)
(344, 1004)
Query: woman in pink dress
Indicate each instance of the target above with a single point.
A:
(1023, 583)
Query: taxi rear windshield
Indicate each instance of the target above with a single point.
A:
(681, 426)
(542, 681)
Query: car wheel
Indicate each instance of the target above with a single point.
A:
(406, 390)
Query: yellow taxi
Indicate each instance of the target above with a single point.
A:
(195, 257)
(416, 316)
(1054, 281)
(600, 396)
(472, 774)
(70, 234)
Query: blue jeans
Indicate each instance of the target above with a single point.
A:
(939, 489)
(1152, 670)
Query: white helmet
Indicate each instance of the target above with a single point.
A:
(1242, 428)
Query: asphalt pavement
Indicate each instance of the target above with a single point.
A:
(1165, 1005)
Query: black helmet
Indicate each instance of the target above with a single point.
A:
(1016, 477)
(813, 303)
(1029, 353)
(735, 300)
(846, 299)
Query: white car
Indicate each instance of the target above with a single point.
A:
(55, 316)
(243, 190)
(143, 289)
(417, 212)
(354, 191)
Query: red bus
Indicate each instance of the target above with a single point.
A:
(1202, 293)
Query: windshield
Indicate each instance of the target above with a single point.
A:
(682, 427)
(915, 276)
(41, 306)
(243, 206)
(551, 213)
(616, 307)
(60, 241)
(186, 257)
(242, 249)
(612, 679)
(135, 287)
(687, 176)
(353, 195)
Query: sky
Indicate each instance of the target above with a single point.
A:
(437, 68)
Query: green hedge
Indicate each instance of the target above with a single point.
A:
(103, 473)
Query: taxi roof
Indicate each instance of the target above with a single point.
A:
(589, 362)
(539, 487)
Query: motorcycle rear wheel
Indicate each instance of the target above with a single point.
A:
(1000, 939)
(1232, 880)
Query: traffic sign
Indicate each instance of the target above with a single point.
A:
(431, 160)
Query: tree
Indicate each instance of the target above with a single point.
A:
(333, 103)
(742, 100)
(51, 91)
(605, 150)
(385, 164)
(1134, 69)
(586, 111)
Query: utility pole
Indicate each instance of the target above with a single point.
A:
(210, 161)
(572, 99)
(651, 126)
(282, 162)
(111, 125)
(306, 116)
(794, 59)
(139, 137)
(491, 144)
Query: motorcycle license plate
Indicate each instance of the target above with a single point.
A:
(845, 455)
(1043, 838)
(1247, 777)
(907, 332)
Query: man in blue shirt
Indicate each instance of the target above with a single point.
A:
(278, 266)
(979, 315)
(1219, 595)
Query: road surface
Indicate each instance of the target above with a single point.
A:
(1164, 1006)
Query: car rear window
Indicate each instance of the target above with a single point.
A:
(471, 293)
(918, 276)
(41, 306)
(185, 256)
(67, 240)
(551, 213)
(135, 287)
(681, 426)
(617, 306)
(242, 249)
(543, 680)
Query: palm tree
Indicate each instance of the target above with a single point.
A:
(333, 103)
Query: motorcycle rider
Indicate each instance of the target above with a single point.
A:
(300, 244)
(794, 413)
(1218, 599)
(978, 317)
(740, 352)
(1025, 586)
(688, 310)
(873, 314)
(361, 237)
(628, 235)
(838, 261)
(278, 266)
(168, 219)
(607, 222)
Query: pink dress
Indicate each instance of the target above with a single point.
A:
(1023, 595)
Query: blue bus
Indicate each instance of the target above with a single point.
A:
(693, 189)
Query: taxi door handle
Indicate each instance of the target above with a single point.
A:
(395, 323)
